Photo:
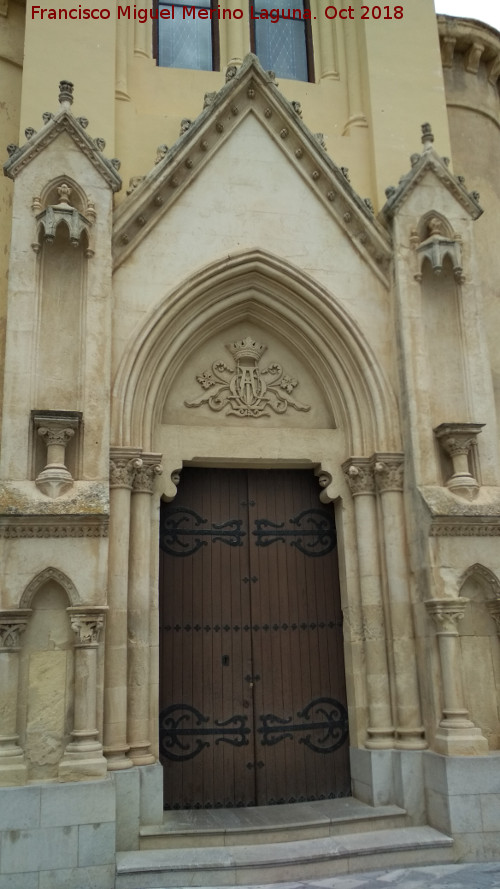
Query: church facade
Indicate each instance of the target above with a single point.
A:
(249, 469)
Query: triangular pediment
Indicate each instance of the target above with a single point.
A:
(251, 92)
(53, 127)
(423, 164)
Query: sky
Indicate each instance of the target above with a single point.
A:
(485, 10)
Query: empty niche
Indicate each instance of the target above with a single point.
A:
(47, 681)
(481, 655)
(63, 251)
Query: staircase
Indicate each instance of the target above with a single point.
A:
(230, 847)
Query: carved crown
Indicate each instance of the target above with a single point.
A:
(247, 348)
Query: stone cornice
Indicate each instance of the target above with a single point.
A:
(251, 91)
(475, 41)
(454, 517)
(39, 527)
(63, 122)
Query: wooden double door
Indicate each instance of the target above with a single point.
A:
(252, 682)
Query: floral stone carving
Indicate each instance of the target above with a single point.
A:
(246, 389)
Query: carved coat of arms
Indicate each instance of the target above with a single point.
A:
(246, 389)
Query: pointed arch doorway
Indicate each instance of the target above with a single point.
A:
(253, 704)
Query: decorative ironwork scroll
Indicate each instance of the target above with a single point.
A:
(181, 534)
(314, 534)
(246, 389)
(324, 726)
(183, 728)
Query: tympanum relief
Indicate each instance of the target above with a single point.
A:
(244, 389)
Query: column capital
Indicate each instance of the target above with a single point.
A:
(493, 606)
(87, 623)
(389, 472)
(12, 624)
(446, 614)
(123, 464)
(456, 440)
(144, 478)
(358, 472)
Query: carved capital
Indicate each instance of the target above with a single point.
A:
(456, 439)
(12, 626)
(123, 465)
(143, 482)
(54, 435)
(389, 472)
(446, 614)
(358, 472)
(87, 624)
(493, 606)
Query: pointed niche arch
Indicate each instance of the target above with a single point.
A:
(255, 285)
(41, 579)
(485, 579)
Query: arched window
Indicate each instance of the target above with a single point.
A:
(186, 35)
(283, 44)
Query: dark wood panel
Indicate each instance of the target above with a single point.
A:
(205, 653)
(297, 597)
(251, 641)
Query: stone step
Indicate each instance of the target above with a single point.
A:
(268, 824)
(277, 862)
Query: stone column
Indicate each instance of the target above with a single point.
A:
(359, 475)
(124, 463)
(456, 734)
(389, 481)
(324, 57)
(357, 117)
(121, 74)
(237, 37)
(143, 32)
(139, 610)
(13, 770)
(83, 757)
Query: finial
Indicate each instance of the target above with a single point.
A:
(65, 93)
(427, 136)
(64, 194)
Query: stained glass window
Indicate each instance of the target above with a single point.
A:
(282, 46)
(184, 40)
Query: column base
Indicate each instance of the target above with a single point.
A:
(14, 773)
(117, 758)
(82, 760)
(13, 769)
(411, 739)
(140, 754)
(380, 738)
(456, 741)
